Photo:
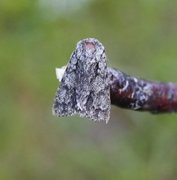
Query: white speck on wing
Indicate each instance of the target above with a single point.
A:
(60, 72)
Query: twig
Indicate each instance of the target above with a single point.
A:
(137, 94)
(88, 87)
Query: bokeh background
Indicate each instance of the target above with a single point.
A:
(36, 36)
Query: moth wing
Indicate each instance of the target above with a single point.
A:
(65, 98)
(93, 100)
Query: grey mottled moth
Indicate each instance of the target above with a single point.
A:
(84, 88)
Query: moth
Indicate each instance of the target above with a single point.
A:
(84, 89)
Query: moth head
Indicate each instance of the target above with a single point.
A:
(91, 47)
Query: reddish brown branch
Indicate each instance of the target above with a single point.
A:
(137, 94)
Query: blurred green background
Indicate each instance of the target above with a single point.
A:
(36, 36)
